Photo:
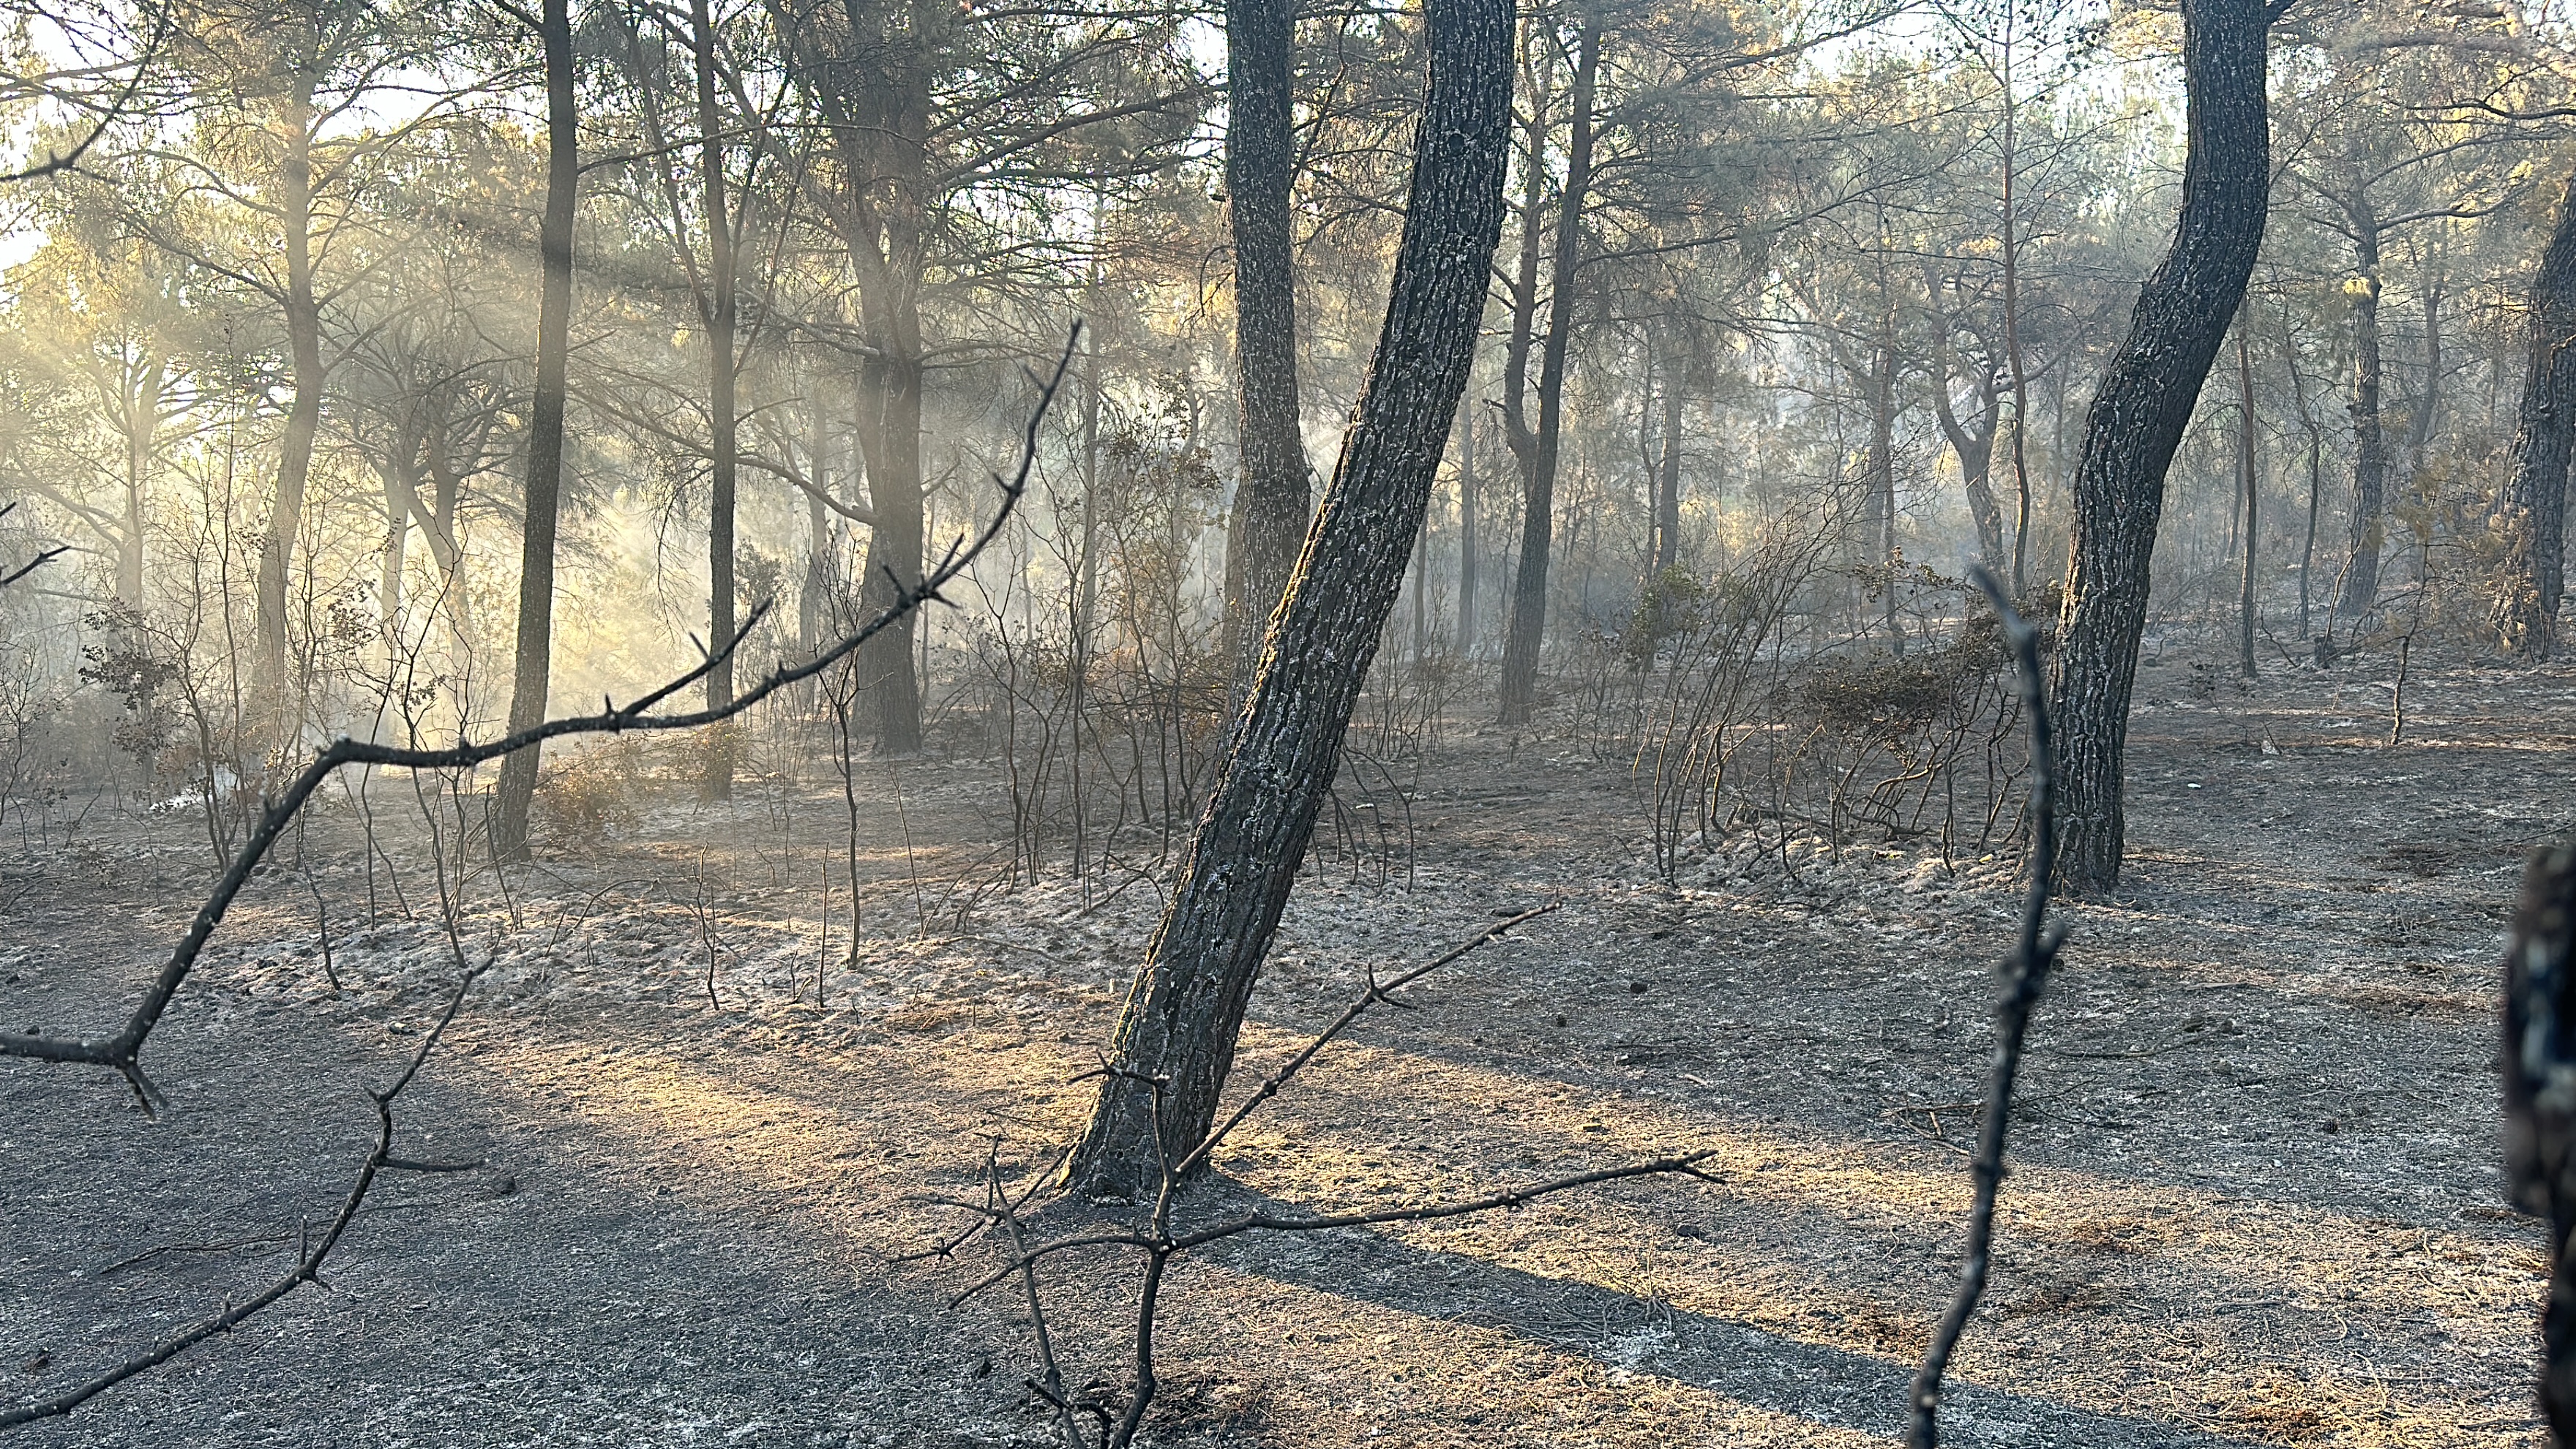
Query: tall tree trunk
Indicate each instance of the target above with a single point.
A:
(2013, 360)
(2369, 442)
(1467, 529)
(1538, 505)
(438, 521)
(2428, 401)
(1519, 438)
(1880, 479)
(721, 312)
(2137, 421)
(875, 95)
(1976, 453)
(304, 412)
(1668, 480)
(1186, 1008)
(1260, 171)
(892, 377)
(2247, 480)
(2544, 435)
(398, 472)
(534, 653)
(142, 425)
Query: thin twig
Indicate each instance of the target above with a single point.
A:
(2025, 974)
(1372, 993)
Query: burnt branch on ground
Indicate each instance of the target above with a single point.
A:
(2025, 976)
(1113, 1424)
(121, 1049)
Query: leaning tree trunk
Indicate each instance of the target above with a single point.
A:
(1538, 507)
(2137, 421)
(1181, 1018)
(2540, 1106)
(2535, 522)
(2369, 439)
(530, 677)
(1260, 168)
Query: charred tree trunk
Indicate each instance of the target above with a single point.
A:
(2369, 439)
(530, 676)
(2544, 434)
(1260, 171)
(1176, 1036)
(2540, 1106)
(2137, 421)
(1529, 585)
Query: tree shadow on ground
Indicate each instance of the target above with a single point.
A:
(1828, 1387)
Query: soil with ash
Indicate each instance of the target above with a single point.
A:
(2256, 1196)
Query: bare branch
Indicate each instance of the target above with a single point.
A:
(121, 1049)
(2025, 975)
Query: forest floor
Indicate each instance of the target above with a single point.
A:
(2256, 1200)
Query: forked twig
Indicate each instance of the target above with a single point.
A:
(1160, 1242)
(308, 1263)
(2025, 975)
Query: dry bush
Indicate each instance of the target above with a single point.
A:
(592, 797)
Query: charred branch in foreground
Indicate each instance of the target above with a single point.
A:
(1161, 1242)
(2540, 1105)
(2025, 976)
(308, 1263)
(121, 1049)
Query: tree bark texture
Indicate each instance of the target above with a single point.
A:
(1538, 505)
(531, 674)
(2137, 421)
(2540, 1106)
(2369, 438)
(2535, 495)
(1260, 171)
(1181, 1018)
